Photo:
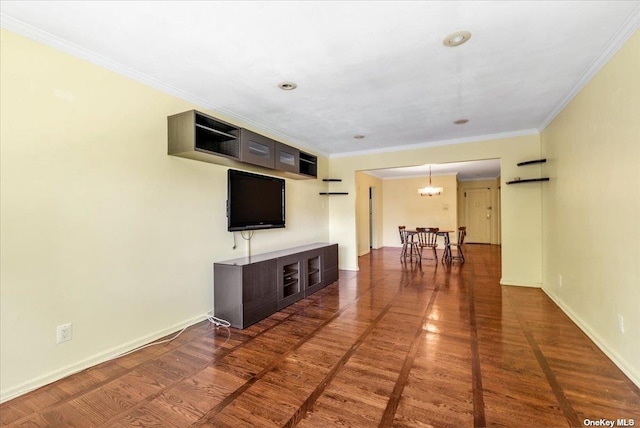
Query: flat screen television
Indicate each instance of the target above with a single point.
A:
(254, 201)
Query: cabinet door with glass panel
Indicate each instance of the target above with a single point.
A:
(257, 149)
(291, 280)
(287, 158)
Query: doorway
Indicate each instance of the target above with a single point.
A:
(371, 219)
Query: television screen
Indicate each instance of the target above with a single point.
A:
(254, 201)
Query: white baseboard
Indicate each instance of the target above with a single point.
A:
(533, 284)
(40, 381)
(630, 371)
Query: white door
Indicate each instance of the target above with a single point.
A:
(478, 216)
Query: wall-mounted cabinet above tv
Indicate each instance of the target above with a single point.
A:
(195, 135)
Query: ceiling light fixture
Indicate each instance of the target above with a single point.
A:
(358, 137)
(430, 190)
(287, 86)
(456, 39)
(461, 121)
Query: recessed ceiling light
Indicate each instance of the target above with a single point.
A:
(456, 39)
(358, 137)
(461, 121)
(287, 86)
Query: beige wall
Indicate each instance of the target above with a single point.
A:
(403, 205)
(99, 227)
(494, 189)
(365, 181)
(591, 208)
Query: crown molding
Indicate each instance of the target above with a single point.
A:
(631, 25)
(63, 45)
(19, 27)
(472, 139)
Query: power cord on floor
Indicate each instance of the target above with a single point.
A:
(218, 322)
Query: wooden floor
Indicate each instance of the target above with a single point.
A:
(391, 345)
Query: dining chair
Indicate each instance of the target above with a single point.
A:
(409, 245)
(427, 238)
(403, 239)
(462, 232)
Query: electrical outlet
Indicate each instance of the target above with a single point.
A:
(621, 323)
(63, 333)
(559, 280)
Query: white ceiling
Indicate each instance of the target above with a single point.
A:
(375, 68)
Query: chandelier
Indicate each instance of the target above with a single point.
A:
(430, 190)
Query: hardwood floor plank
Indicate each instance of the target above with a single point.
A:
(67, 414)
(141, 419)
(403, 376)
(308, 404)
(394, 344)
(436, 409)
(479, 419)
(565, 405)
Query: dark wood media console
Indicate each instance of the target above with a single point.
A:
(249, 289)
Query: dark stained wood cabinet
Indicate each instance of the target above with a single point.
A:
(254, 299)
(330, 265)
(247, 290)
(195, 135)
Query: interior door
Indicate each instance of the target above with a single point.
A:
(478, 216)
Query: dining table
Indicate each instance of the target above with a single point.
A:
(446, 256)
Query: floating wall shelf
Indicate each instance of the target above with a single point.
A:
(532, 162)
(528, 180)
(333, 193)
